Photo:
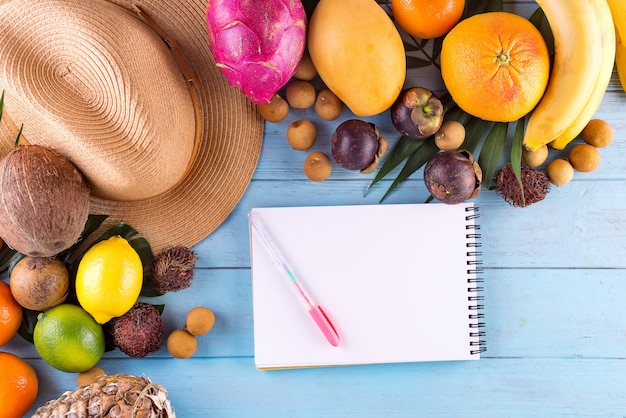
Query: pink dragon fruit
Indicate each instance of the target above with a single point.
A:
(257, 44)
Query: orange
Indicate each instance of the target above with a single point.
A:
(427, 19)
(10, 314)
(495, 66)
(18, 386)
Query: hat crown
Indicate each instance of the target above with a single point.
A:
(95, 83)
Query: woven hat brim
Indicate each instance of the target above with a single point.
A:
(229, 148)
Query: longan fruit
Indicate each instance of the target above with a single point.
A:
(450, 135)
(300, 94)
(328, 106)
(584, 157)
(535, 158)
(306, 70)
(200, 320)
(598, 133)
(276, 110)
(181, 344)
(317, 166)
(89, 376)
(301, 134)
(559, 172)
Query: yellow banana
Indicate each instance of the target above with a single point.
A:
(602, 82)
(577, 30)
(618, 9)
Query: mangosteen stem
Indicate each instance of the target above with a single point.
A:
(430, 109)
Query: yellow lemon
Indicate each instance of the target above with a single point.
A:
(109, 279)
(68, 338)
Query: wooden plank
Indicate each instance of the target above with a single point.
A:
(578, 225)
(543, 313)
(550, 313)
(279, 161)
(232, 387)
(554, 292)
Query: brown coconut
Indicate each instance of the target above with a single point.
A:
(44, 201)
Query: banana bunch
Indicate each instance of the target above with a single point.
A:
(618, 9)
(584, 53)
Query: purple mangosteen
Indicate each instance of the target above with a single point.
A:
(357, 145)
(453, 176)
(417, 113)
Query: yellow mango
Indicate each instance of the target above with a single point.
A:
(620, 61)
(358, 53)
(618, 10)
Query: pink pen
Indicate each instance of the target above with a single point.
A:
(315, 310)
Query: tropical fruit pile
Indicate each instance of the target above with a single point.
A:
(70, 309)
(70, 304)
(75, 297)
(72, 296)
(498, 69)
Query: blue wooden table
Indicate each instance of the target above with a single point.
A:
(555, 296)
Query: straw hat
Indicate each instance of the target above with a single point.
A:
(166, 145)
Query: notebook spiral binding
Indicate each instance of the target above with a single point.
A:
(474, 270)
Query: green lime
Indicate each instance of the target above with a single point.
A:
(68, 338)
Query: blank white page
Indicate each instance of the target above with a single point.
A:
(393, 279)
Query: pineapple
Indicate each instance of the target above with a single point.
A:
(119, 395)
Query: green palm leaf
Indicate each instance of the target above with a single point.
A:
(491, 152)
(516, 154)
(414, 163)
(474, 131)
(400, 152)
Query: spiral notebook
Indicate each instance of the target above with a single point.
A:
(400, 283)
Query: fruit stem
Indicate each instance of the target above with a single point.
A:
(429, 109)
(503, 58)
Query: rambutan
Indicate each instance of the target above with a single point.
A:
(140, 331)
(535, 185)
(172, 269)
